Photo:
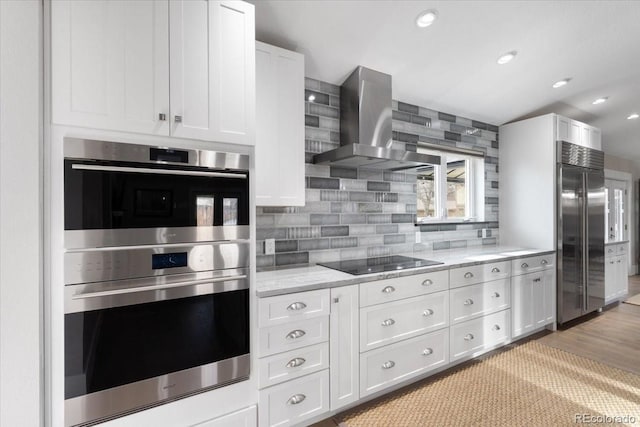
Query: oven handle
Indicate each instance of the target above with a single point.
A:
(81, 166)
(159, 287)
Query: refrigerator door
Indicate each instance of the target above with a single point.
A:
(595, 240)
(571, 291)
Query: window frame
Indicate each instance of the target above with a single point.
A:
(474, 198)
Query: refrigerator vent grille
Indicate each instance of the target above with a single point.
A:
(577, 155)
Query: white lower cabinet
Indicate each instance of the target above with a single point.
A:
(344, 328)
(289, 336)
(533, 297)
(474, 301)
(473, 337)
(293, 364)
(398, 362)
(295, 401)
(246, 417)
(391, 322)
(616, 281)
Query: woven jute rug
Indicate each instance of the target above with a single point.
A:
(635, 300)
(531, 384)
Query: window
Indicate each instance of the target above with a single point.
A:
(453, 191)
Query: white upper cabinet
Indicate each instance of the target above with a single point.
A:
(116, 64)
(110, 64)
(212, 65)
(279, 127)
(578, 133)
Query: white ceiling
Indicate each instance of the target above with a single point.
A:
(451, 66)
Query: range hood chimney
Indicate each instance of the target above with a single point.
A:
(365, 127)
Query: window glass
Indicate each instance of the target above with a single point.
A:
(426, 192)
(456, 188)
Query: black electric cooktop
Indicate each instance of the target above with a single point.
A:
(378, 264)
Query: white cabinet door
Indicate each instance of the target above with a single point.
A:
(344, 350)
(110, 65)
(549, 301)
(247, 417)
(563, 129)
(595, 138)
(521, 303)
(212, 64)
(575, 132)
(279, 127)
(610, 279)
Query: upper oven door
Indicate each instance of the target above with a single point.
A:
(115, 203)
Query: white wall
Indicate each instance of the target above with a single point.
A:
(20, 213)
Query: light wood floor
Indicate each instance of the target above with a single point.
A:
(611, 337)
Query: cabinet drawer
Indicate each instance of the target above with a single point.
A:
(295, 401)
(532, 264)
(473, 274)
(242, 418)
(389, 365)
(293, 364)
(279, 338)
(292, 307)
(474, 301)
(622, 249)
(473, 337)
(611, 250)
(386, 323)
(403, 287)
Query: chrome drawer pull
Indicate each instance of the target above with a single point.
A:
(388, 322)
(294, 363)
(296, 306)
(610, 250)
(524, 265)
(388, 289)
(537, 279)
(468, 275)
(427, 282)
(468, 337)
(296, 334)
(296, 398)
(496, 295)
(388, 365)
(427, 312)
(468, 302)
(544, 262)
(427, 351)
(495, 270)
(495, 328)
(619, 261)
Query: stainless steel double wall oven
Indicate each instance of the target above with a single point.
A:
(156, 275)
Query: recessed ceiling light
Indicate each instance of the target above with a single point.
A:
(633, 116)
(507, 57)
(426, 18)
(311, 98)
(600, 100)
(561, 83)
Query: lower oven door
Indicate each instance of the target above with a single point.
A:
(131, 345)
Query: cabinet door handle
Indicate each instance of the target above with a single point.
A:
(178, 119)
(298, 333)
(544, 262)
(388, 322)
(296, 398)
(495, 328)
(294, 363)
(468, 302)
(468, 275)
(496, 295)
(495, 270)
(336, 300)
(427, 351)
(162, 117)
(389, 364)
(524, 265)
(610, 250)
(537, 279)
(468, 337)
(295, 306)
(619, 261)
(388, 289)
(427, 282)
(428, 312)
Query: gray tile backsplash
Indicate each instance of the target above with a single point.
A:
(361, 213)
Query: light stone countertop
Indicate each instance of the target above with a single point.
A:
(619, 242)
(306, 278)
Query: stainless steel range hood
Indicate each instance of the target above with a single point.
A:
(365, 127)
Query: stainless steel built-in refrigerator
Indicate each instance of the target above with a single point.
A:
(581, 228)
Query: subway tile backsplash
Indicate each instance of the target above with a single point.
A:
(358, 213)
